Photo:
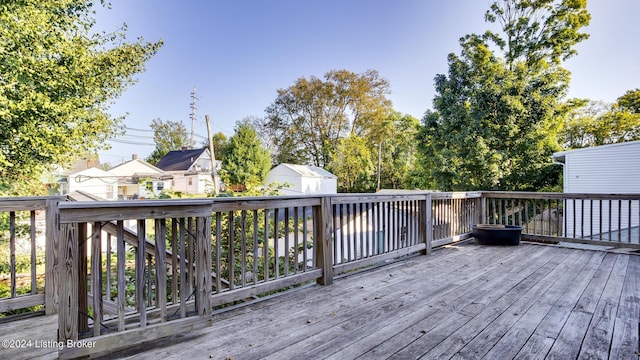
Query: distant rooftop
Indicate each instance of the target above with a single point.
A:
(179, 160)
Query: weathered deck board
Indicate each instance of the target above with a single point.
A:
(625, 331)
(38, 337)
(465, 301)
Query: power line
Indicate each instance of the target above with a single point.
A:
(130, 142)
(137, 136)
(135, 129)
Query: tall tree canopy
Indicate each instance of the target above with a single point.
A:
(246, 162)
(598, 123)
(57, 79)
(307, 119)
(499, 109)
(168, 136)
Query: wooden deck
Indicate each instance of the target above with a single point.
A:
(465, 302)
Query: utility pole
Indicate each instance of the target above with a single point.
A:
(379, 161)
(193, 116)
(213, 156)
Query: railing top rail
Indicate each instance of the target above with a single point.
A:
(371, 198)
(554, 195)
(24, 203)
(456, 195)
(97, 211)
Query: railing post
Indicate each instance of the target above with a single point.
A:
(68, 283)
(323, 232)
(203, 265)
(51, 263)
(483, 209)
(428, 224)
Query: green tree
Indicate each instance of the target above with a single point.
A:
(57, 79)
(246, 162)
(168, 135)
(219, 142)
(307, 120)
(352, 164)
(598, 123)
(630, 101)
(398, 151)
(498, 112)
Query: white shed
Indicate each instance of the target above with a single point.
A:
(303, 179)
(606, 169)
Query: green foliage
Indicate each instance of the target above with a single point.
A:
(398, 152)
(597, 123)
(23, 261)
(630, 101)
(497, 116)
(538, 32)
(246, 161)
(168, 135)
(307, 119)
(57, 80)
(219, 142)
(352, 164)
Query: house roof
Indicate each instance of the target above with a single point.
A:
(137, 168)
(309, 171)
(180, 160)
(560, 156)
(93, 173)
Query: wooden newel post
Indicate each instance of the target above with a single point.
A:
(323, 233)
(428, 224)
(68, 283)
(203, 265)
(52, 263)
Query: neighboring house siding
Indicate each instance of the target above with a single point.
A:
(611, 169)
(134, 176)
(608, 169)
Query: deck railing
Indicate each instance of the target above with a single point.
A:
(138, 270)
(453, 216)
(368, 229)
(28, 244)
(599, 219)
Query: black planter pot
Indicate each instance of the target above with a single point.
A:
(507, 235)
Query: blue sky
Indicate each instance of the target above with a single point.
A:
(238, 53)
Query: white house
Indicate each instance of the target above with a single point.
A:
(303, 179)
(191, 170)
(94, 181)
(606, 169)
(137, 179)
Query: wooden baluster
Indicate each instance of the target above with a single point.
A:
(122, 286)
(83, 303)
(161, 267)
(141, 306)
(96, 277)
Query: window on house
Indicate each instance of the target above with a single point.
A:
(109, 191)
(190, 181)
(160, 185)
